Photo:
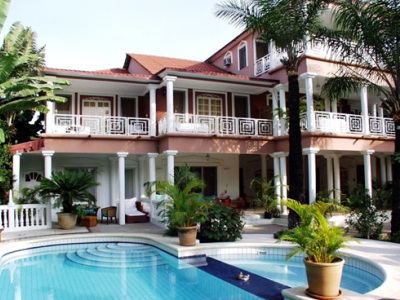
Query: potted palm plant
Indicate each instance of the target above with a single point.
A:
(67, 189)
(182, 207)
(320, 242)
(266, 196)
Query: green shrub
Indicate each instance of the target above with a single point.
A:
(365, 218)
(223, 225)
(395, 238)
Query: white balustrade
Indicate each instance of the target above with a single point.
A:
(25, 217)
(87, 124)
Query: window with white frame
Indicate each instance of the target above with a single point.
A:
(228, 59)
(261, 49)
(242, 54)
(33, 176)
(209, 105)
(64, 107)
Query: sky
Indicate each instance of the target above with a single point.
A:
(97, 34)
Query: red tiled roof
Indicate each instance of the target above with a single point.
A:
(156, 64)
(118, 73)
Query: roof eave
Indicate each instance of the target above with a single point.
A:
(263, 82)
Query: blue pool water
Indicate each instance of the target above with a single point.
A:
(138, 271)
(292, 273)
(107, 271)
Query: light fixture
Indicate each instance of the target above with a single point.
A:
(207, 157)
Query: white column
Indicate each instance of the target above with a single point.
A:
(336, 172)
(277, 176)
(153, 121)
(364, 108)
(334, 105)
(308, 78)
(374, 110)
(382, 160)
(275, 115)
(329, 176)
(140, 178)
(48, 163)
(170, 164)
(50, 116)
(380, 112)
(170, 102)
(282, 105)
(389, 168)
(16, 169)
(121, 185)
(367, 170)
(312, 175)
(48, 168)
(152, 178)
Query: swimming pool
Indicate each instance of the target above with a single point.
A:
(173, 284)
(107, 271)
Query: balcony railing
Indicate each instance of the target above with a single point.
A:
(199, 124)
(314, 48)
(349, 123)
(85, 124)
(25, 217)
(186, 123)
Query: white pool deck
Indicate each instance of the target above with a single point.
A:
(384, 254)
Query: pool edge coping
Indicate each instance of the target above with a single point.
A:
(170, 245)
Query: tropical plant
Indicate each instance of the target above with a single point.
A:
(266, 196)
(6, 176)
(315, 237)
(68, 189)
(365, 217)
(287, 24)
(28, 195)
(182, 206)
(21, 85)
(366, 35)
(224, 224)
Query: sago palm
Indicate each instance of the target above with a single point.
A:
(66, 188)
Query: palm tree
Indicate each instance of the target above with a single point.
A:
(368, 33)
(286, 23)
(21, 85)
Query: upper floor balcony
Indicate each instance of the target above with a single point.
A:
(315, 48)
(99, 125)
(330, 122)
(221, 125)
(326, 122)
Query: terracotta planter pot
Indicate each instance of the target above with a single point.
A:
(187, 235)
(324, 279)
(66, 220)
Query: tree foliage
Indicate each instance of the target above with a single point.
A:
(289, 25)
(366, 38)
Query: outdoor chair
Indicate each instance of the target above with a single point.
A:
(109, 213)
(134, 212)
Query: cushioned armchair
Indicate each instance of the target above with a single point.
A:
(134, 212)
(109, 213)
